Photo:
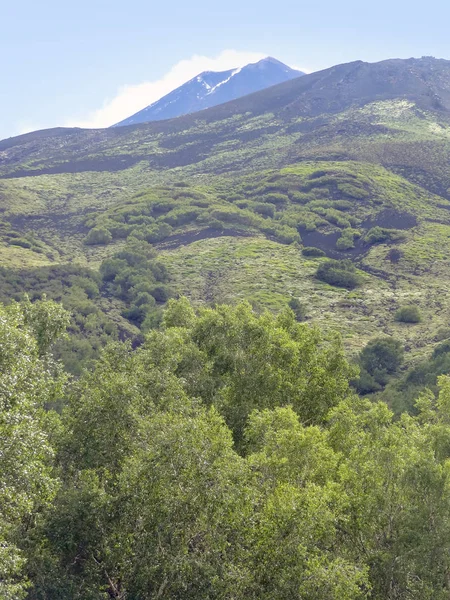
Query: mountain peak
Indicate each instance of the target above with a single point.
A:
(211, 88)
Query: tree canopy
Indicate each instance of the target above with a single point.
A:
(226, 457)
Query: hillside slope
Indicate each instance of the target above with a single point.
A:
(352, 161)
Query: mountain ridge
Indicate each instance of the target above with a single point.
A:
(210, 88)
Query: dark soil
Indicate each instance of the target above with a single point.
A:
(391, 219)
(326, 241)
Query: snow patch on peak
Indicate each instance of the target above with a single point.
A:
(203, 82)
(214, 88)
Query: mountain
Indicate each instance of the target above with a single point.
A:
(211, 88)
(352, 161)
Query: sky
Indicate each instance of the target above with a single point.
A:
(91, 63)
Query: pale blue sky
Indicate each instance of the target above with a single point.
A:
(66, 62)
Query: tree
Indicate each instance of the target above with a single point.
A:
(266, 361)
(381, 355)
(26, 481)
(189, 503)
(296, 472)
(179, 313)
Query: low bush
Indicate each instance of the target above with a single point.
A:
(408, 314)
(276, 198)
(341, 273)
(298, 308)
(20, 242)
(312, 251)
(267, 210)
(98, 236)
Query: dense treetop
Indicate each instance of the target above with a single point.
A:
(226, 457)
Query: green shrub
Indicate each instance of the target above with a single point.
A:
(267, 210)
(135, 314)
(298, 308)
(20, 242)
(341, 273)
(312, 251)
(287, 235)
(111, 267)
(383, 354)
(334, 216)
(181, 216)
(98, 236)
(347, 239)
(376, 235)
(144, 298)
(353, 191)
(394, 255)
(160, 293)
(345, 243)
(342, 205)
(299, 197)
(366, 383)
(163, 207)
(378, 360)
(443, 348)
(88, 285)
(408, 314)
(231, 215)
(276, 198)
(152, 234)
(120, 230)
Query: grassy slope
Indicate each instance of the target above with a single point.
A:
(396, 151)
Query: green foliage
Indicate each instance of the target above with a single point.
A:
(46, 320)
(402, 394)
(312, 251)
(266, 361)
(298, 308)
(379, 359)
(139, 280)
(29, 382)
(352, 190)
(20, 242)
(266, 210)
(408, 314)
(179, 313)
(98, 236)
(78, 289)
(382, 354)
(394, 255)
(341, 273)
(157, 496)
(378, 235)
(346, 241)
